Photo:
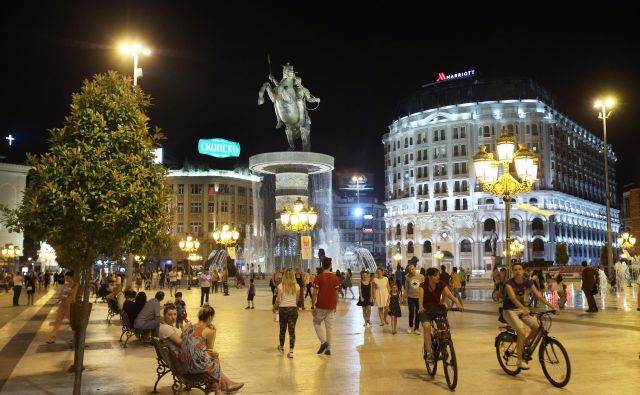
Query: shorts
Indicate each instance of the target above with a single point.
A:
(517, 323)
(250, 297)
(173, 284)
(430, 315)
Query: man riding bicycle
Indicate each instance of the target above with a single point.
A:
(430, 301)
(516, 313)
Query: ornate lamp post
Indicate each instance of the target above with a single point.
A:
(226, 238)
(604, 107)
(10, 252)
(515, 247)
(135, 50)
(626, 240)
(299, 220)
(506, 186)
(438, 255)
(397, 257)
(189, 246)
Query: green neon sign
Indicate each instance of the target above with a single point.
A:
(219, 148)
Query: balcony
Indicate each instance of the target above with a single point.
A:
(441, 194)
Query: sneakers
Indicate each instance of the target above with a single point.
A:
(246, 308)
(281, 349)
(327, 352)
(523, 365)
(410, 330)
(290, 354)
(323, 347)
(417, 332)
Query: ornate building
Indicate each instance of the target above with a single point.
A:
(432, 197)
(13, 180)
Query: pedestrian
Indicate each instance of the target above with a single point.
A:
(411, 297)
(215, 279)
(381, 294)
(562, 291)
(456, 283)
(365, 299)
(273, 284)
(18, 282)
(67, 296)
(325, 299)
(138, 281)
(205, 287)
(251, 293)
(348, 284)
(463, 280)
(340, 280)
(287, 292)
(47, 280)
(300, 281)
(394, 307)
(308, 284)
(589, 286)
(173, 281)
(30, 285)
(398, 277)
(181, 310)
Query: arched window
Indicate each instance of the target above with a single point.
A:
(533, 201)
(426, 247)
(538, 245)
(537, 226)
(410, 247)
(409, 228)
(515, 224)
(398, 230)
(489, 225)
(465, 246)
(489, 201)
(399, 247)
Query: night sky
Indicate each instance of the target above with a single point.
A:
(361, 59)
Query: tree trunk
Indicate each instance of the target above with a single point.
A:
(80, 334)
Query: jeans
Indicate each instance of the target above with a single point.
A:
(204, 291)
(17, 289)
(309, 287)
(414, 321)
(326, 316)
(288, 319)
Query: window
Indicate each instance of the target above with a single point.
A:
(196, 207)
(224, 207)
(455, 133)
(427, 248)
(180, 208)
(444, 205)
(211, 207)
(514, 224)
(224, 188)
(180, 227)
(242, 191)
(196, 189)
(465, 206)
(242, 209)
(180, 189)
(443, 135)
(486, 132)
(398, 230)
(534, 130)
(211, 229)
(195, 227)
(435, 135)
(463, 133)
(489, 225)
(409, 228)
(538, 245)
(439, 170)
(211, 189)
(460, 168)
(410, 247)
(465, 246)
(537, 226)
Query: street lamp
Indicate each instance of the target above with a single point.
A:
(397, 257)
(602, 106)
(10, 252)
(358, 179)
(515, 247)
(189, 246)
(299, 221)
(626, 240)
(226, 238)
(438, 255)
(135, 50)
(506, 186)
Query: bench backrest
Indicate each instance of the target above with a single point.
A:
(125, 320)
(164, 352)
(113, 305)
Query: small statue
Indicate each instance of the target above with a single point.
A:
(290, 100)
(494, 243)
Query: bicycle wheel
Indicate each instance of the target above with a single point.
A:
(450, 364)
(432, 365)
(555, 362)
(507, 354)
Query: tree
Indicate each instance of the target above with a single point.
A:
(96, 191)
(562, 256)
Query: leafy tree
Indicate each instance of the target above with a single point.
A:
(96, 191)
(562, 256)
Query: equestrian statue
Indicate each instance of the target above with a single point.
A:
(290, 100)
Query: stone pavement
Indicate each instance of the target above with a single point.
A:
(603, 348)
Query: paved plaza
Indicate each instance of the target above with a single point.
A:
(604, 350)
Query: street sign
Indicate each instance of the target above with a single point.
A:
(219, 148)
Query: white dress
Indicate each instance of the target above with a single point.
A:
(382, 293)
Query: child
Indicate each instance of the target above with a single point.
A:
(394, 307)
(181, 310)
(562, 292)
(250, 294)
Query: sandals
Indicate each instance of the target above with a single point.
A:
(234, 388)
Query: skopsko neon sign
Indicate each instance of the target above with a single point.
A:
(219, 148)
(447, 77)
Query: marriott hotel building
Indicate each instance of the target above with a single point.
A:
(434, 202)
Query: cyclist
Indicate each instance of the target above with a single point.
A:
(430, 301)
(517, 314)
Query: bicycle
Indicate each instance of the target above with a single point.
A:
(442, 348)
(552, 355)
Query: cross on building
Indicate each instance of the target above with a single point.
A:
(10, 138)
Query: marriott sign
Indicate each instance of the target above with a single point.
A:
(463, 74)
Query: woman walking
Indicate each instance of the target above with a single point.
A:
(365, 299)
(67, 296)
(348, 284)
(287, 294)
(30, 285)
(394, 307)
(381, 294)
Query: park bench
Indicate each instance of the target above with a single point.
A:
(113, 309)
(129, 330)
(168, 362)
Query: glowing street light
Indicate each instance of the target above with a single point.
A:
(135, 50)
(299, 221)
(438, 255)
(626, 240)
(604, 106)
(10, 252)
(190, 246)
(226, 236)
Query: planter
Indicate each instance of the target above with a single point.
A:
(76, 318)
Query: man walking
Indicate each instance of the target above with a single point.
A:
(589, 280)
(411, 295)
(18, 282)
(324, 300)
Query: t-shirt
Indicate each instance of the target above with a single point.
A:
(399, 275)
(412, 285)
(445, 278)
(432, 300)
(165, 331)
(519, 290)
(455, 281)
(327, 284)
(287, 299)
(149, 312)
(205, 281)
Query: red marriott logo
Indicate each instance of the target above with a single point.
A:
(446, 77)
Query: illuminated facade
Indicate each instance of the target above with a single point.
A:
(13, 181)
(433, 200)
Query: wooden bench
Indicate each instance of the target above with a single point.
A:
(168, 362)
(113, 310)
(129, 330)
